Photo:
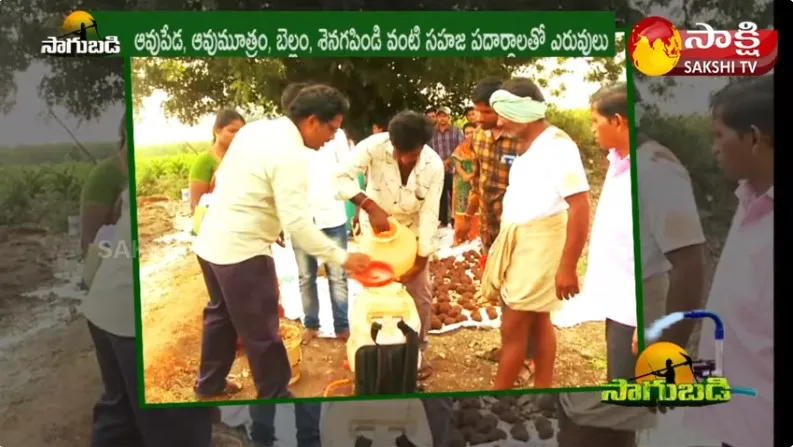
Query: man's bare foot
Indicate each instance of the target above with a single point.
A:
(309, 335)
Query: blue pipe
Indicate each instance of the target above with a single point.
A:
(745, 391)
(719, 332)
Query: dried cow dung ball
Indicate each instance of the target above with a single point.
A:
(470, 403)
(471, 417)
(456, 439)
(444, 308)
(449, 320)
(487, 423)
(498, 408)
(454, 311)
(508, 400)
(497, 434)
(519, 432)
(544, 427)
(435, 323)
(467, 432)
(460, 318)
(491, 312)
(434, 307)
(478, 439)
(509, 416)
(546, 402)
(476, 315)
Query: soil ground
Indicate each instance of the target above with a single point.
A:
(50, 376)
(175, 294)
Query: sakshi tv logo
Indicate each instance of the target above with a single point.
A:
(80, 36)
(666, 375)
(657, 48)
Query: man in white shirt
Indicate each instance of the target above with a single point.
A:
(405, 180)
(330, 216)
(742, 291)
(672, 260)
(110, 311)
(531, 265)
(262, 190)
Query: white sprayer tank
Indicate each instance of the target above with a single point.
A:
(381, 421)
(387, 305)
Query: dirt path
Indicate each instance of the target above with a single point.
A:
(174, 296)
(50, 378)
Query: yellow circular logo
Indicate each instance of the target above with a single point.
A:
(654, 46)
(664, 360)
(80, 24)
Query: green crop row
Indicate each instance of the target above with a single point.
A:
(162, 175)
(43, 194)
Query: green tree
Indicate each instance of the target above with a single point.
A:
(85, 87)
(377, 87)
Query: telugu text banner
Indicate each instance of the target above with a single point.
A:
(359, 34)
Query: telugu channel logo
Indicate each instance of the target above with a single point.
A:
(666, 375)
(80, 36)
(657, 48)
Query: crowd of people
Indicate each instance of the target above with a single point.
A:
(524, 180)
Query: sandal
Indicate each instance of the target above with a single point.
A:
(230, 388)
(491, 355)
(523, 380)
(424, 372)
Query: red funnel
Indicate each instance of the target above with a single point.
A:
(379, 274)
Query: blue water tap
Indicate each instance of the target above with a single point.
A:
(719, 331)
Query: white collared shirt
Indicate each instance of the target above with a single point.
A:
(415, 205)
(742, 294)
(262, 188)
(328, 211)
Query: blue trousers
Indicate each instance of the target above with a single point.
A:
(307, 266)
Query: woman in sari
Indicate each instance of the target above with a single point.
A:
(463, 158)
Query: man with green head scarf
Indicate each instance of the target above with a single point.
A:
(532, 263)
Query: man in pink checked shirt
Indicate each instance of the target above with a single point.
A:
(742, 293)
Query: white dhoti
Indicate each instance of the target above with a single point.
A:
(522, 264)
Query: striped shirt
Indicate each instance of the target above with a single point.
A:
(446, 141)
(493, 155)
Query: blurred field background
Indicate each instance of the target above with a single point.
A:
(42, 184)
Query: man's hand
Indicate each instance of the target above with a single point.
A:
(357, 263)
(378, 218)
(418, 265)
(566, 283)
(463, 229)
(635, 342)
(355, 224)
(280, 241)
